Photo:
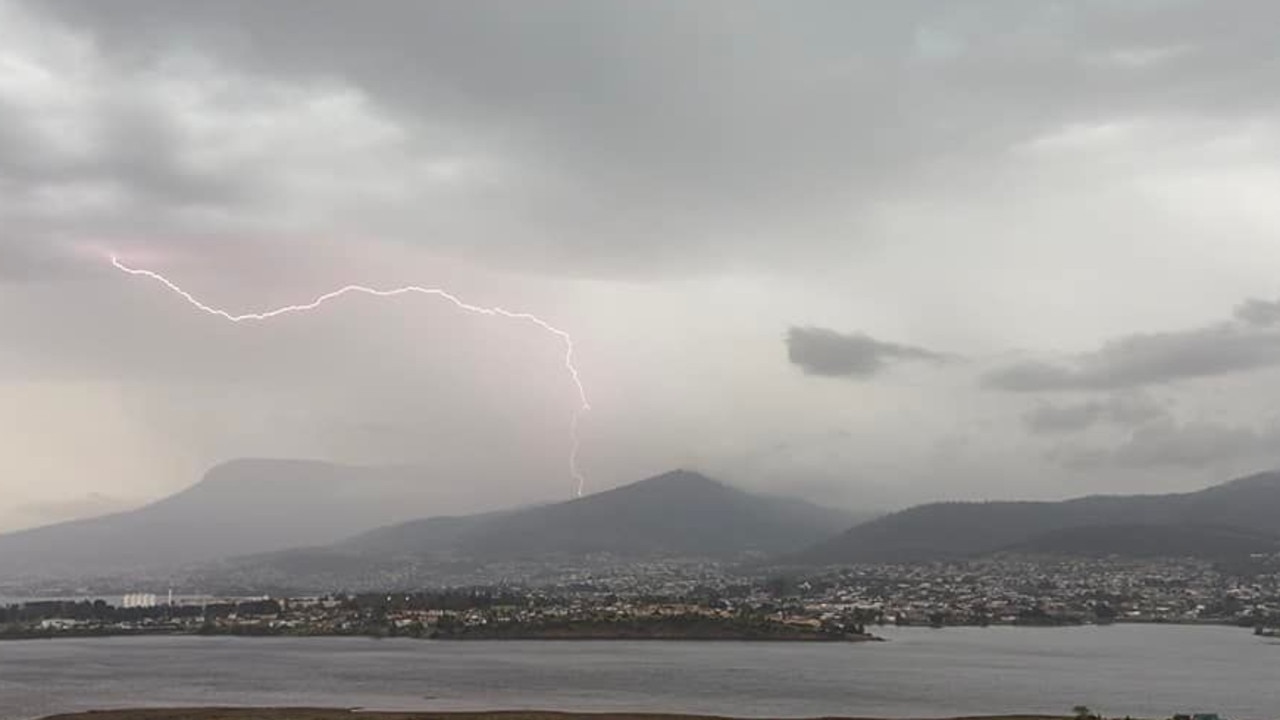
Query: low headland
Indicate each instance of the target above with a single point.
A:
(359, 714)
(473, 617)
(678, 627)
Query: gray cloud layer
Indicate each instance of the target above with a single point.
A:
(1260, 313)
(668, 135)
(1123, 409)
(657, 175)
(1190, 445)
(821, 351)
(1153, 358)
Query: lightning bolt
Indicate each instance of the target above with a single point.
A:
(572, 369)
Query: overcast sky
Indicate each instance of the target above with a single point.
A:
(871, 253)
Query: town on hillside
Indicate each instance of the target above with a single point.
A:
(703, 600)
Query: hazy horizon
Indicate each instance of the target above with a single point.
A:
(449, 502)
(865, 255)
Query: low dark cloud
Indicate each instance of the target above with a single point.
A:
(1062, 418)
(1172, 444)
(1147, 359)
(825, 352)
(1260, 313)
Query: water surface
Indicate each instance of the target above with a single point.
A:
(1148, 671)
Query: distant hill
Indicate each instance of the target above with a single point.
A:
(1207, 542)
(1248, 510)
(678, 514)
(244, 506)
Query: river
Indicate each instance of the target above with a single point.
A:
(1142, 670)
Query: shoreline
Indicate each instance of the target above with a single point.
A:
(304, 713)
(804, 638)
(657, 638)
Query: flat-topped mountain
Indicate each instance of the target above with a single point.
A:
(243, 506)
(1238, 516)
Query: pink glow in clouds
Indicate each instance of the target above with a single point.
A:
(570, 367)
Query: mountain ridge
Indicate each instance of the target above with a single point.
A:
(680, 514)
(243, 505)
(953, 530)
(672, 512)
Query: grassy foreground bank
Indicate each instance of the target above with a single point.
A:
(355, 714)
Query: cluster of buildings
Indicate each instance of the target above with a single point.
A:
(1000, 590)
(1020, 591)
(1004, 590)
(133, 600)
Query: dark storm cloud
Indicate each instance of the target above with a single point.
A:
(1147, 359)
(134, 149)
(1262, 313)
(1062, 418)
(820, 351)
(144, 153)
(778, 140)
(682, 134)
